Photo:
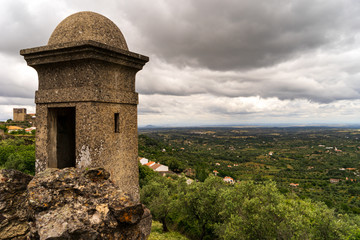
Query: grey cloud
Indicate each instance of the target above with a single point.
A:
(240, 34)
(152, 86)
(16, 79)
(320, 77)
(145, 111)
(26, 25)
(224, 110)
(8, 90)
(271, 88)
(243, 37)
(205, 107)
(16, 101)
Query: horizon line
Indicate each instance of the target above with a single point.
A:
(254, 125)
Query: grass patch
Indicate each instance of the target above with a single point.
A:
(157, 233)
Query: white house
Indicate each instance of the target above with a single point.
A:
(159, 167)
(144, 161)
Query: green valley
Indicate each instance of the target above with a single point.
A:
(321, 164)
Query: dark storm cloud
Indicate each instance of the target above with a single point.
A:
(303, 47)
(240, 34)
(311, 77)
(24, 24)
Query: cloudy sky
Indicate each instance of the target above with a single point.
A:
(211, 61)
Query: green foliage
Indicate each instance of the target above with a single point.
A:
(200, 208)
(18, 154)
(145, 175)
(22, 161)
(23, 132)
(246, 210)
(261, 212)
(201, 172)
(3, 127)
(159, 195)
(172, 162)
(19, 132)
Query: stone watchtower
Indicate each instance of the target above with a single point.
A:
(19, 114)
(86, 104)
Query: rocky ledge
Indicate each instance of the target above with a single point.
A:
(68, 204)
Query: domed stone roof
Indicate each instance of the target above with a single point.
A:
(88, 26)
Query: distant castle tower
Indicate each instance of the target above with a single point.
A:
(19, 114)
(86, 104)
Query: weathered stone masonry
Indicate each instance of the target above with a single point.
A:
(86, 104)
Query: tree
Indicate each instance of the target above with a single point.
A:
(145, 175)
(18, 154)
(201, 172)
(159, 195)
(200, 207)
(260, 211)
(22, 161)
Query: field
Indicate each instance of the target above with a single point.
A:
(320, 163)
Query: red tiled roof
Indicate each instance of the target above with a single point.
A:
(155, 166)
